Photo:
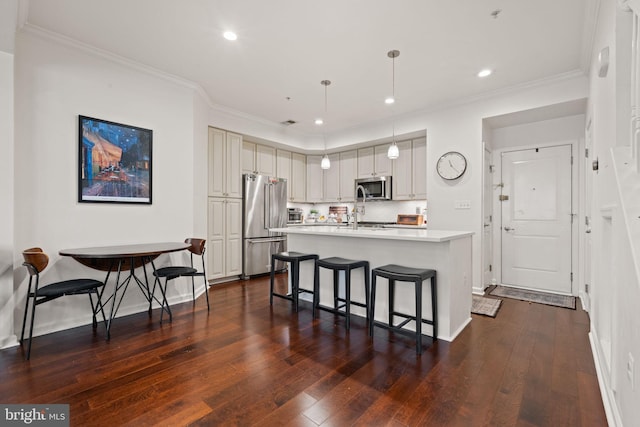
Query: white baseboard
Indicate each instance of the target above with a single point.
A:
(608, 399)
(10, 341)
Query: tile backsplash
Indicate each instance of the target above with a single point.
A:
(384, 211)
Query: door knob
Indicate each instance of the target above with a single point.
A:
(509, 229)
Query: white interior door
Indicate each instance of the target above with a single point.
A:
(536, 219)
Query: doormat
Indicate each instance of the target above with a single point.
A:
(485, 306)
(564, 301)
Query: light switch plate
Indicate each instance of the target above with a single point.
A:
(462, 204)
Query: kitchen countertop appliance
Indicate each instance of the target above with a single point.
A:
(295, 216)
(264, 206)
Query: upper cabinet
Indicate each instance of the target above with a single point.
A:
(335, 184)
(224, 171)
(293, 168)
(373, 161)
(258, 159)
(348, 165)
(331, 180)
(315, 179)
(298, 187)
(283, 165)
(410, 170)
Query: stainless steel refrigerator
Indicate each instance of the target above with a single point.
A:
(264, 206)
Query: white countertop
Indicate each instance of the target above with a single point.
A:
(334, 224)
(378, 233)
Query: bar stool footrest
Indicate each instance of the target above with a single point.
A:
(407, 320)
(410, 317)
(335, 310)
(397, 329)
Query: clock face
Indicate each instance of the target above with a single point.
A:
(451, 165)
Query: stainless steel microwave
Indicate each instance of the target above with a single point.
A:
(375, 188)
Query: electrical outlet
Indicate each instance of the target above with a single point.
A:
(630, 371)
(462, 204)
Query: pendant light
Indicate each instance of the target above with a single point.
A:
(393, 152)
(325, 163)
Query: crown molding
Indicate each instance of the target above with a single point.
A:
(152, 71)
(105, 54)
(484, 96)
(278, 127)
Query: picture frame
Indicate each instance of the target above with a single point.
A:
(114, 162)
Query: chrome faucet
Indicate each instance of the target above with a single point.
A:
(355, 209)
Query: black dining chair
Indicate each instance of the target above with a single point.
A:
(35, 260)
(173, 272)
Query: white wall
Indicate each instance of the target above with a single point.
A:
(54, 83)
(7, 336)
(545, 132)
(614, 316)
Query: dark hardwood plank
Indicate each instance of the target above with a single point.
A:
(248, 363)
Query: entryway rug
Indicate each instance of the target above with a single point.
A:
(564, 301)
(485, 306)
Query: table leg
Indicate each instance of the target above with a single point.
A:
(113, 302)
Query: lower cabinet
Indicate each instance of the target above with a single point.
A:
(224, 242)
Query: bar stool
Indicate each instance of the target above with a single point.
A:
(394, 272)
(294, 259)
(338, 264)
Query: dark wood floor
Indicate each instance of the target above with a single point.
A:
(246, 363)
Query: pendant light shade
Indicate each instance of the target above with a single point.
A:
(325, 163)
(393, 152)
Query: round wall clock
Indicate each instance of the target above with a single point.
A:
(451, 165)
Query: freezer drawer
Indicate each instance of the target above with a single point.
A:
(257, 255)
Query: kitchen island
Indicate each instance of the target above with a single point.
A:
(447, 252)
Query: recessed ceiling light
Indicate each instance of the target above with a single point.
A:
(230, 35)
(319, 122)
(389, 100)
(485, 73)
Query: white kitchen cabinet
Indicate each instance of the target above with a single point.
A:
(248, 157)
(331, 180)
(373, 161)
(315, 179)
(283, 166)
(348, 165)
(258, 159)
(298, 185)
(224, 242)
(292, 167)
(419, 147)
(409, 170)
(224, 164)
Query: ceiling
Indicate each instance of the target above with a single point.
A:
(272, 72)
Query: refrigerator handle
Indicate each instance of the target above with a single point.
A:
(267, 206)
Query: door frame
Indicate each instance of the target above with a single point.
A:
(575, 203)
(488, 245)
(586, 273)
